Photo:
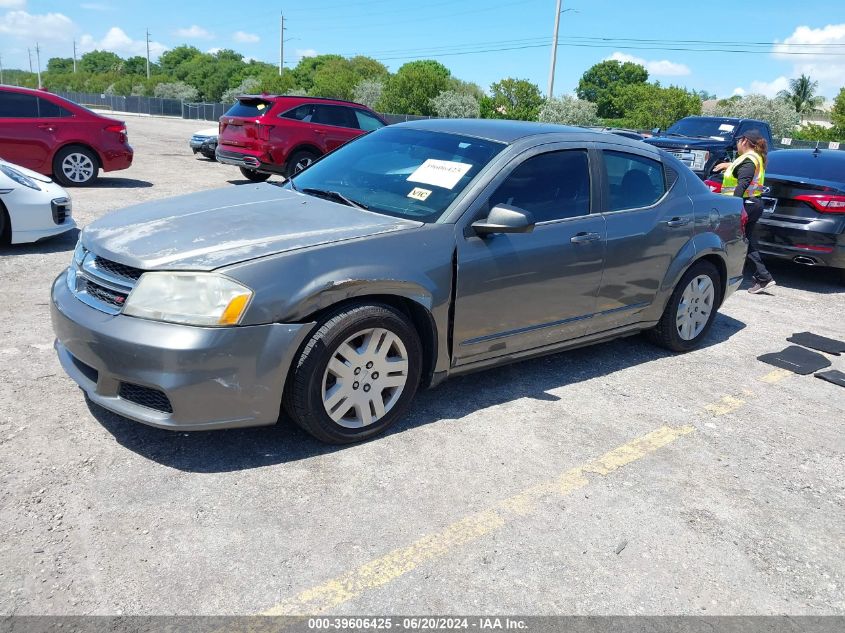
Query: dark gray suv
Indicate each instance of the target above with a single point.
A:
(414, 253)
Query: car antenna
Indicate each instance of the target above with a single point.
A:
(817, 151)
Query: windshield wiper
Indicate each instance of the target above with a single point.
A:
(336, 196)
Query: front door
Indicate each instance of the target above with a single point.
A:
(25, 139)
(517, 292)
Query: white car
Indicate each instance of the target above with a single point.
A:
(204, 142)
(32, 206)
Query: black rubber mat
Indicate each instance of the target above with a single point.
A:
(821, 343)
(835, 376)
(796, 359)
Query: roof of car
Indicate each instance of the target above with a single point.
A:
(828, 154)
(505, 131)
(301, 98)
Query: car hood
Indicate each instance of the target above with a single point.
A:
(27, 172)
(209, 131)
(210, 229)
(683, 142)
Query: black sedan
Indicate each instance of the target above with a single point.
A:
(804, 220)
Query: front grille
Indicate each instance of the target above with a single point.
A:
(106, 295)
(127, 272)
(145, 397)
(89, 372)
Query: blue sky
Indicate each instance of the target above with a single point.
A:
(518, 32)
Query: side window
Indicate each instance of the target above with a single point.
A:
(633, 181)
(18, 106)
(300, 113)
(551, 186)
(367, 121)
(48, 109)
(334, 115)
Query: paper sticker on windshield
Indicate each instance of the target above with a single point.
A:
(440, 173)
(726, 127)
(418, 193)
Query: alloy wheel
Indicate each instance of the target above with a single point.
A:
(695, 307)
(78, 167)
(365, 378)
(302, 164)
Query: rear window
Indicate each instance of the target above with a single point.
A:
(249, 108)
(49, 109)
(826, 165)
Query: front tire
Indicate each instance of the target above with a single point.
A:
(75, 166)
(356, 375)
(254, 176)
(691, 309)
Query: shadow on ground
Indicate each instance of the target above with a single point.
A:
(818, 279)
(59, 244)
(239, 449)
(104, 182)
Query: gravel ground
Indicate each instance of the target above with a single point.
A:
(742, 513)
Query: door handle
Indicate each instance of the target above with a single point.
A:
(584, 238)
(677, 222)
(46, 126)
(320, 132)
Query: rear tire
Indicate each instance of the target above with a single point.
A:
(691, 309)
(356, 375)
(299, 160)
(75, 166)
(254, 176)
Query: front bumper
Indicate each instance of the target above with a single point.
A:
(211, 378)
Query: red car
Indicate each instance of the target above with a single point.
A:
(53, 136)
(270, 134)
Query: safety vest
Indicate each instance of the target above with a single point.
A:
(729, 181)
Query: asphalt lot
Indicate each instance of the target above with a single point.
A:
(617, 479)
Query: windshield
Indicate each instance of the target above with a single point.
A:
(412, 174)
(702, 127)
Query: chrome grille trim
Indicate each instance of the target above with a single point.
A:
(79, 278)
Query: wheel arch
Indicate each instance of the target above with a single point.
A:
(303, 146)
(81, 144)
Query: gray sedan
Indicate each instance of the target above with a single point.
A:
(414, 253)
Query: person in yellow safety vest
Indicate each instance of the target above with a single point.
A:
(744, 178)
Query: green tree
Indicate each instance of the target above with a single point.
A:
(812, 132)
(273, 83)
(455, 105)
(644, 106)
(368, 92)
(780, 115)
(802, 95)
(176, 90)
(510, 98)
(248, 86)
(137, 65)
(368, 68)
(307, 67)
(466, 88)
(336, 79)
(100, 62)
(60, 65)
(837, 114)
(172, 61)
(601, 82)
(569, 111)
(412, 88)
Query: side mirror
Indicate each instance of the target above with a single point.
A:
(655, 131)
(504, 218)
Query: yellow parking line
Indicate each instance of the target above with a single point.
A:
(726, 405)
(399, 562)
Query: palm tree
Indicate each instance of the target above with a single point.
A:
(802, 95)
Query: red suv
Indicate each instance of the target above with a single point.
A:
(54, 136)
(269, 134)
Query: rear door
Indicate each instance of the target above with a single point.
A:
(335, 124)
(518, 292)
(25, 139)
(646, 228)
(240, 126)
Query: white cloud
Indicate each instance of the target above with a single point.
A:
(246, 38)
(117, 41)
(214, 50)
(12, 4)
(194, 32)
(305, 52)
(660, 68)
(739, 92)
(828, 70)
(769, 88)
(27, 26)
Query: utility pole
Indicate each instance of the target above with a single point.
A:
(38, 59)
(281, 43)
(554, 50)
(148, 53)
(29, 52)
(74, 56)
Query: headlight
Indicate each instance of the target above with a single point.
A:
(19, 178)
(191, 298)
(79, 253)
